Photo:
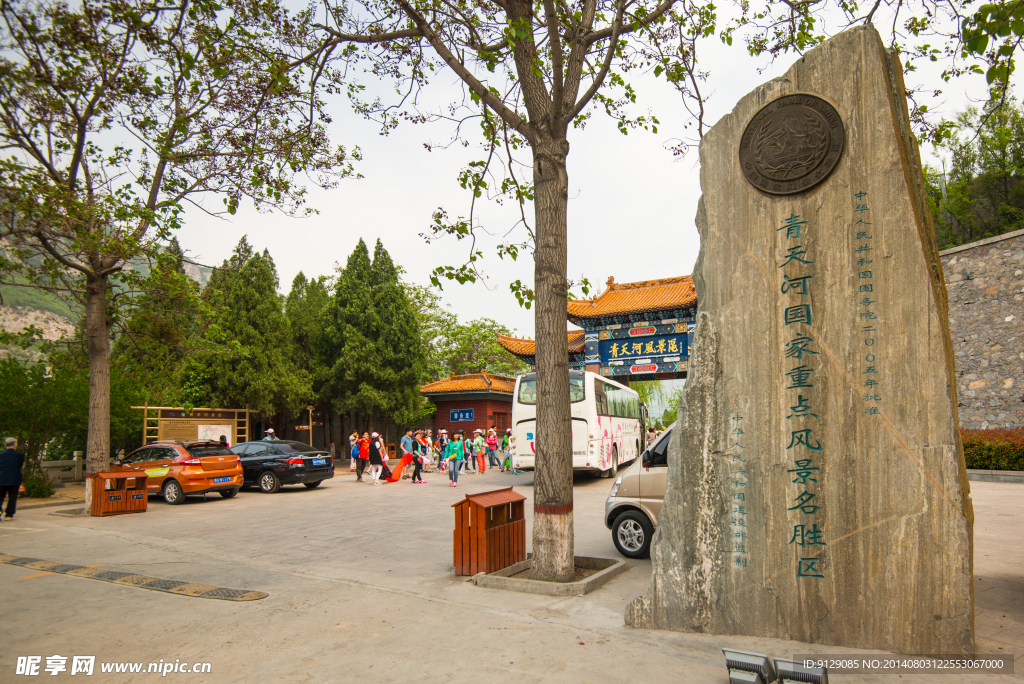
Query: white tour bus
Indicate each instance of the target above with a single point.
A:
(606, 431)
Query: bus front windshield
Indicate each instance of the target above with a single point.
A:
(528, 389)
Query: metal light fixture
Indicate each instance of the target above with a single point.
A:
(743, 677)
(753, 668)
(793, 671)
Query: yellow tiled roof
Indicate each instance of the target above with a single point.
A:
(524, 346)
(475, 382)
(646, 295)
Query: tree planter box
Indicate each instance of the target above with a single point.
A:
(502, 579)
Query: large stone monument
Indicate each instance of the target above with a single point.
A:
(817, 488)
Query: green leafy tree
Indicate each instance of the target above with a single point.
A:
(652, 392)
(113, 114)
(260, 371)
(670, 414)
(161, 331)
(453, 347)
(982, 195)
(473, 346)
(435, 320)
(535, 72)
(29, 419)
(51, 416)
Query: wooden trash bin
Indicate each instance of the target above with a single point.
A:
(490, 531)
(112, 495)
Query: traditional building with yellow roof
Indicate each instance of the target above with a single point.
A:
(468, 402)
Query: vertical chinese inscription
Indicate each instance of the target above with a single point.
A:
(801, 364)
(738, 476)
(866, 322)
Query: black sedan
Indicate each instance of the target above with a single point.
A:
(272, 463)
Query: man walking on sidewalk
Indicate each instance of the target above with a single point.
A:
(11, 462)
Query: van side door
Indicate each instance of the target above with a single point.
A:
(654, 477)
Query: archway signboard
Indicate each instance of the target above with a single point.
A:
(631, 331)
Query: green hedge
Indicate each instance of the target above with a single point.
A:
(37, 486)
(994, 449)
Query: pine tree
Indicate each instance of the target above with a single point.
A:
(303, 307)
(370, 341)
(346, 350)
(261, 372)
(401, 357)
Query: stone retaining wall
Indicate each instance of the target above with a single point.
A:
(985, 280)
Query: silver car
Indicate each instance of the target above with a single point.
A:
(634, 504)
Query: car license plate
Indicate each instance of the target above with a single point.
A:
(218, 480)
(319, 461)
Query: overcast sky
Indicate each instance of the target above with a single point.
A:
(631, 208)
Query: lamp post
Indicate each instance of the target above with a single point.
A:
(310, 425)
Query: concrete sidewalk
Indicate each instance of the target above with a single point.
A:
(361, 589)
(70, 493)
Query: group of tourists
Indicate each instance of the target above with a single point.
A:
(419, 451)
(460, 454)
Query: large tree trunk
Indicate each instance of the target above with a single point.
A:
(97, 339)
(552, 483)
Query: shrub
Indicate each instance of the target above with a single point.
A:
(994, 449)
(38, 487)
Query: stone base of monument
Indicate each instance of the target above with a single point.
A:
(604, 570)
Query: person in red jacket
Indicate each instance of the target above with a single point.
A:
(492, 449)
(364, 455)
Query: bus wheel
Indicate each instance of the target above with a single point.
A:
(615, 463)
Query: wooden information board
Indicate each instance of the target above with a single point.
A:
(167, 423)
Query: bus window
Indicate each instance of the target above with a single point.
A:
(577, 389)
(617, 398)
(600, 399)
(528, 391)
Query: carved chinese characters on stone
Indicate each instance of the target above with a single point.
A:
(838, 510)
(791, 144)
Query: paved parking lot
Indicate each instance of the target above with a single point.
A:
(361, 588)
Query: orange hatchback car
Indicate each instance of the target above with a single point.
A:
(177, 469)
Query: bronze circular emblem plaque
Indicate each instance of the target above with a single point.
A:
(792, 144)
